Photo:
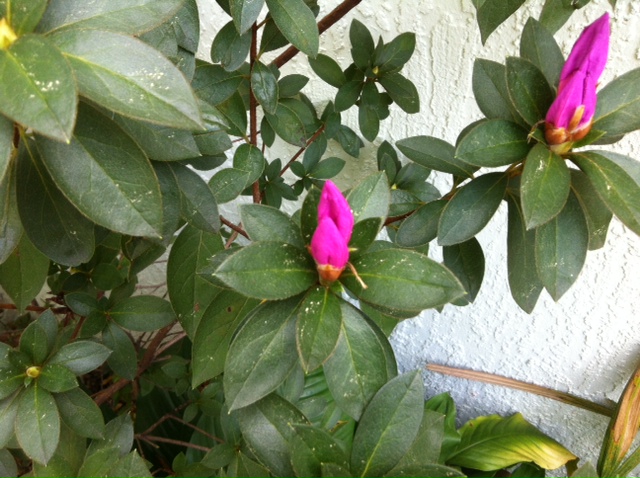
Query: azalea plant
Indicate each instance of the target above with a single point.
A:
(270, 355)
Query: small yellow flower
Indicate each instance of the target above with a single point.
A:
(7, 35)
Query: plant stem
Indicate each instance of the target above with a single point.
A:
(524, 386)
(253, 107)
(233, 227)
(302, 150)
(323, 25)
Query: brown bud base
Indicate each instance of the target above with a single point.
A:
(328, 274)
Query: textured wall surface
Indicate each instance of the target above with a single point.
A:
(587, 343)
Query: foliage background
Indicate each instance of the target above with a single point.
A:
(586, 344)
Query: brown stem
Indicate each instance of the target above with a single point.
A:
(253, 107)
(152, 438)
(233, 227)
(391, 220)
(524, 386)
(302, 150)
(323, 25)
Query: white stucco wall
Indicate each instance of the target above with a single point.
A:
(587, 343)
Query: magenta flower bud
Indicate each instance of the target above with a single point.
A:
(570, 117)
(330, 241)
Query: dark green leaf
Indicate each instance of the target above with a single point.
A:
(292, 121)
(8, 465)
(143, 84)
(213, 84)
(265, 223)
(393, 55)
(616, 180)
(539, 47)
(123, 359)
(362, 46)
(493, 143)
(544, 186)
(291, 85)
(349, 140)
(360, 363)
(245, 13)
(126, 16)
(42, 92)
(312, 448)
(34, 343)
(426, 447)
(265, 87)
(388, 426)
(472, 207)
(328, 70)
(38, 424)
(491, 14)
(68, 457)
(402, 91)
(11, 379)
(262, 353)
(528, 89)
(364, 233)
(198, 203)
(561, 248)
(142, 313)
(23, 274)
(219, 456)
(80, 413)
(81, 357)
(370, 197)
(267, 427)
(56, 378)
(490, 90)
(402, 279)
(212, 337)
(521, 262)
(190, 294)
(10, 224)
(23, 14)
(492, 442)
(227, 184)
(555, 13)
(466, 261)
(130, 465)
(434, 153)
(297, 23)
(268, 270)
(421, 227)
(618, 110)
(8, 412)
(230, 48)
(348, 93)
(250, 160)
(597, 214)
(327, 168)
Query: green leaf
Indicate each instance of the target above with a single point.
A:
(143, 313)
(230, 48)
(142, 85)
(8, 413)
(198, 203)
(264, 85)
(38, 424)
(248, 159)
(370, 197)
(597, 214)
(8, 465)
(34, 344)
(312, 448)
(618, 109)
(328, 70)
(266, 223)
(402, 91)
(130, 465)
(42, 92)
(81, 357)
(434, 153)
(190, 294)
(402, 279)
(268, 270)
(539, 47)
(268, 428)
(471, 208)
(227, 184)
(11, 379)
(561, 248)
(23, 15)
(123, 360)
(126, 16)
(361, 363)
(214, 84)
(213, 335)
(68, 456)
(528, 89)
(492, 442)
(362, 46)
(292, 121)
(56, 378)
(318, 327)
(544, 186)
(23, 274)
(426, 447)
(490, 90)
(348, 93)
(393, 55)
(245, 13)
(290, 85)
(466, 261)
(109, 169)
(10, 224)
(262, 353)
(80, 413)
(388, 425)
(493, 143)
(521, 262)
(349, 140)
(297, 23)
(617, 182)
(421, 227)
(492, 13)
(555, 13)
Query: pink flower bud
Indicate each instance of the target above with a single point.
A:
(330, 241)
(570, 117)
